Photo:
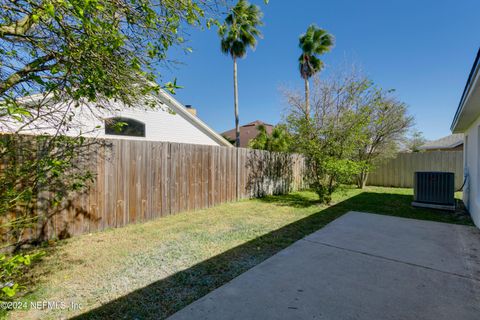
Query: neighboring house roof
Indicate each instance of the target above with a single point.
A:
(170, 121)
(448, 142)
(469, 108)
(247, 132)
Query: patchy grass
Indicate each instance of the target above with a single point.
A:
(154, 269)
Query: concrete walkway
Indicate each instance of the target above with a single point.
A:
(361, 266)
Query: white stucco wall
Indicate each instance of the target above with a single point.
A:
(162, 123)
(471, 191)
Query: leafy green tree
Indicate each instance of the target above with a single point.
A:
(415, 141)
(329, 138)
(70, 52)
(353, 125)
(238, 33)
(88, 48)
(313, 43)
(328, 149)
(388, 123)
(278, 141)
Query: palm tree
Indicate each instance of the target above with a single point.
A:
(314, 42)
(238, 33)
(278, 141)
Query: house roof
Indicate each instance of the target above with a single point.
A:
(448, 142)
(469, 107)
(247, 132)
(194, 120)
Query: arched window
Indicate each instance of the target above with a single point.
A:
(124, 127)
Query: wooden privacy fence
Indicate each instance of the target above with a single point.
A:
(398, 172)
(140, 180)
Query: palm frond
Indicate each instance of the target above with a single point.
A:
(313, 42)
(240, 30)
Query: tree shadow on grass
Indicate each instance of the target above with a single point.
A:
(295, 200)
(164, 297)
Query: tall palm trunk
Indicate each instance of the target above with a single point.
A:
(235, 98)
(307, 98)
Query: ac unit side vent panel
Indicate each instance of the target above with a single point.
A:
(435, 188)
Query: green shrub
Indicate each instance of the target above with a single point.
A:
(11, 270)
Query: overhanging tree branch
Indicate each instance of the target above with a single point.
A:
(18, 28)
(36, 65)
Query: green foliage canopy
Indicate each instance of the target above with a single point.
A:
(415, 141)
(11, 269)
(71, 52)
(240, 29)
(313, 43)
(89, 48)
(278, 141)
(354, 125)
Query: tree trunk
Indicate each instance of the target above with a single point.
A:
(362, 179)
(235, 98)
(307, 98)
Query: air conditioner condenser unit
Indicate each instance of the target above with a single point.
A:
(434, 190)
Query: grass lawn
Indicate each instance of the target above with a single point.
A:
(154, 269)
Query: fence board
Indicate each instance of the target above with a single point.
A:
(139, 180)
(136, 181)
(399, 171)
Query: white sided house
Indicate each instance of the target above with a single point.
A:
(162, 118)
(467, 121)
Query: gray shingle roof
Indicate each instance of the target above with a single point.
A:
(451, 141)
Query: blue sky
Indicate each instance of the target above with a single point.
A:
(423, 49)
